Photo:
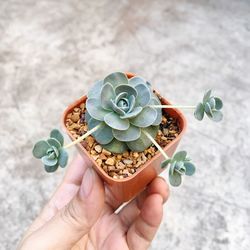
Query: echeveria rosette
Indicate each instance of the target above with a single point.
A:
(211, 106)
(179, 165)
(122, 105)
(51, 152)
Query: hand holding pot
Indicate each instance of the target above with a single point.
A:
(81, 215)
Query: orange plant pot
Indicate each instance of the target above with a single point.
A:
(127, 188)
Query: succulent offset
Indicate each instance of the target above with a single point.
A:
(51, 152)
(122, 107)
(179, 165)
(211, 106)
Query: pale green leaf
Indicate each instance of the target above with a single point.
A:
(107, 94)
(51, 169)
(55, 133)
(54, 142)
(199, 112)
(126, 89)
(190, 168)
(63, 158)
(218, 103)
(145, 118)
(104, 134)
(116, 146)
(144, 95)
(175, 179)
(95, 109)
(136, 80)
(207, 95)
(116, 79)
(49, 162)
(95, 91)
(40, 149)
(131, 134)
(132, 114)
(114, 121)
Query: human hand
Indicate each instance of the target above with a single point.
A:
(81, 215)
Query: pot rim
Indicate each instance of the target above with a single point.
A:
(141, 168)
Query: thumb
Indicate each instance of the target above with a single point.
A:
(75, 220)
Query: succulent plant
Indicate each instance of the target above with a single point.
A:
(123, 108)
(179, 165)
(51, 152)
(211, 106)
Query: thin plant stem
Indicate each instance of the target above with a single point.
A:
(81, 138)
(172, 106)
(156, 144)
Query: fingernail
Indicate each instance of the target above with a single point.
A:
(87, 183)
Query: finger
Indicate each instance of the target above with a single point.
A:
(143, 230)
(75, 220)
(129, 213)
(64, 193)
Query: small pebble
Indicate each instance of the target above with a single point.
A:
(110, 162)
(98, 148)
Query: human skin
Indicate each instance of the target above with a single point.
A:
(82, 214)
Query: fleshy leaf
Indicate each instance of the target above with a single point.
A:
(208, 110)
(211, 103)
(131, 134)
(199, 112)
(87, 116)
(172, 167)
(143, 142)
(165, 163)
(218, 103)
(180, 156)
(104, 134)
(136, 80)
(107, 94)
(144, 95)
(146, 117)
(95, 90)
(156, 101)
(120, 96)
(40, 149)
(51, 169)
(95, 109)
(49, 162)
(55, 133)
(55, 150)
(132, 114)
(114, 121)
(63, 158)
(131, 103)
(116, 79)
(54, 142)
(175, 179)
(117, 109)
(190, 168)
(217, 116)
(116, 146)
(207, 96)
(126, 89)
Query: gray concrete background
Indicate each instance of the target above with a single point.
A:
(51, 52)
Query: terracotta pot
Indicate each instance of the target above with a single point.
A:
(125, 189)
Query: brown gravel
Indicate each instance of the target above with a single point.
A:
(119, 166)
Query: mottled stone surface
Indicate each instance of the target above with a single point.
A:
(50, 53)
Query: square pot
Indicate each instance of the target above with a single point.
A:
(125, 189)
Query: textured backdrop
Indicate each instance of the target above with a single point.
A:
(50, 53)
